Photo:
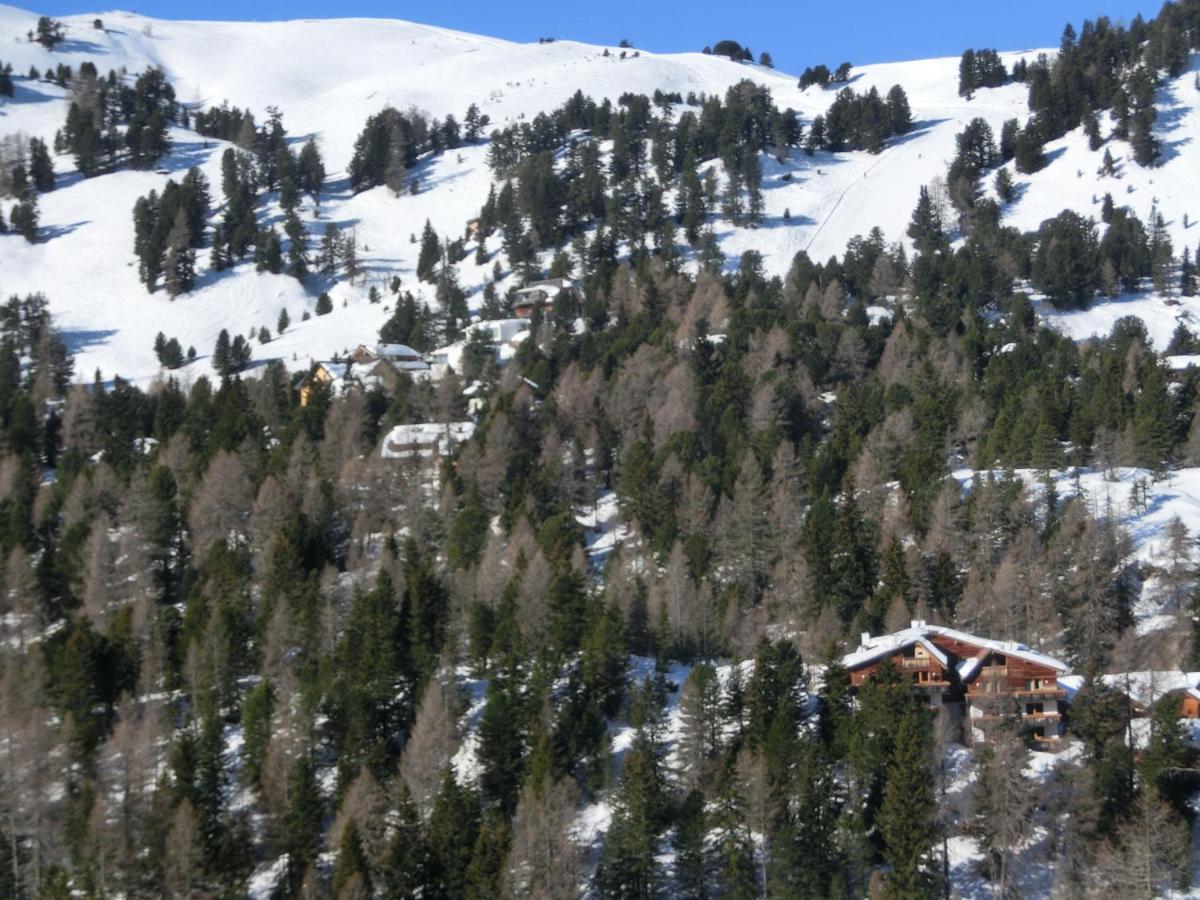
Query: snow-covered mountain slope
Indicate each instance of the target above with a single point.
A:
(328, 76)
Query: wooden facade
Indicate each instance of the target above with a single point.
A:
(1189, 703)
(978, 678)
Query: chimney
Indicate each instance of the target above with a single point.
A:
(918, 623)
(865, 639)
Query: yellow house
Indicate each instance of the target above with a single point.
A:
(325, 374)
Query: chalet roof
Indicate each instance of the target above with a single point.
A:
(547, 285)
(391, 351)
(425, 438)
(875, 648)
(337, 370)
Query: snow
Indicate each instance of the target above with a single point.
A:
(326, 78)
(1179, 363)
(1176, 496)
(266, 879)
(466, 759)
(605, 528)
(425, 439)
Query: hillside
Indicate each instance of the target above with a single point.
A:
(86, 268)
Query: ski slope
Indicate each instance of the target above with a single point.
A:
(328, 76)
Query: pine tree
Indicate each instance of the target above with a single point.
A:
(282, 323)
(24, 219)
(907, 816)
(1154, 422)
(180, 265)
(311, 169)
(628, 866)
(331, 251)
(733, 847)
(1187, 274)
(350, 261)
(430, 254)
(297, 252)
(966, 75)
(41, 168)
(324, 304)
(502, 740)
(351, 862)
(452, 832)
(268, 252)
(303, 821)
(396, 169)
(484, 874)
(220, 354)
(1166, 754)
(1004, 186)
(925, 229)
(691, 854)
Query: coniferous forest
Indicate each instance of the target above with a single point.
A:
(596, 646)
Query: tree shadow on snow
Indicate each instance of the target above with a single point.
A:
(24, 94)
(186, 154)
(918, 129)
(50, 232)
(78, 45)
(78, 341)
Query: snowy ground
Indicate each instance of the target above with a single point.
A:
(327, 78)
(1176, 496)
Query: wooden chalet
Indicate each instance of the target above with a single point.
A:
(1189, 703)
(977, 679)
(331, 375)
(546, 294)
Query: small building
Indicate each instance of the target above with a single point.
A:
(425, 441)
(504, 335)
(1143, 690)
(400, 357)
(335, 376)
(1189, 703)
(546, 295)
(977, 679)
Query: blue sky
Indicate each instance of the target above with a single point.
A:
(796, 33)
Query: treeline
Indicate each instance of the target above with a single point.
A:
(980, 69)
(821, 75)
(860, 121)
(392, 142)
(110, 122)
(1103, 67)
(169, 229)
(26, 170)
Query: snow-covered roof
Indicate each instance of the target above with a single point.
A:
(968, 667)
(548, 284)
(336, 370)
(1143, 688)
(874, 648)
(424, 439)
(392, 351)
(1183, 361)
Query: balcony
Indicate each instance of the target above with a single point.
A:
(1044, 691)
(914, 663)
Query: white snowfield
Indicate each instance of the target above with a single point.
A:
(328, 76)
